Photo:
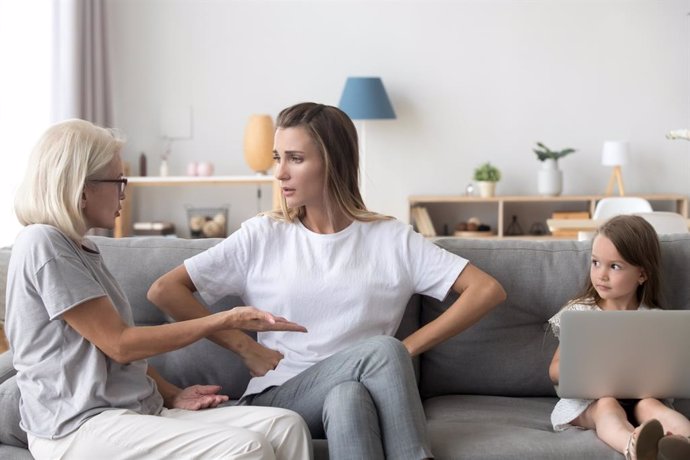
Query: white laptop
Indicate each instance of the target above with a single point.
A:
(625, 354)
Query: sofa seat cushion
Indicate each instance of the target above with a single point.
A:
(497, 427)
(10, 432)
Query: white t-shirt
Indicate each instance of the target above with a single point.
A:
(343, 287)
(63, 378)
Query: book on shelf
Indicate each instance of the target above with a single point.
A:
(422, 220)
(568, 215)
(153, 228)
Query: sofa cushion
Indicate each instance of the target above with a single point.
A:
(10, 433)
(495, 427)
(202, 362)
(6, 368)
(508, 352)
(4, 262)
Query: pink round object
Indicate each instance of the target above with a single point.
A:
(205, 169)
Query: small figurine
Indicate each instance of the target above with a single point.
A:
(514, 229)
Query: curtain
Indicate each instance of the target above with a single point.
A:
(82, 88)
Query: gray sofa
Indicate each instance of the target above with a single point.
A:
(486, 392)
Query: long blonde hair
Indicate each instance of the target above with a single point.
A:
(67, 155)
(336, 138)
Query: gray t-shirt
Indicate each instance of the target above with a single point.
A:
(63, 378)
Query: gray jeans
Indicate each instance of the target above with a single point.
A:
(364, 400)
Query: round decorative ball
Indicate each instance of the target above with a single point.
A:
(212, 229)
(219, 218)
(196, 223)
(474, 220)
(205, 168)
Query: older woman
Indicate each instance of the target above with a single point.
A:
(86, 388)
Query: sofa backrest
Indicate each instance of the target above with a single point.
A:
(4, 261)
(508, 352)
(136, 263)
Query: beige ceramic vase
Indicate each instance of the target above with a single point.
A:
(258, 143)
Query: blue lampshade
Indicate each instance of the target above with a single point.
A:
(365, 98)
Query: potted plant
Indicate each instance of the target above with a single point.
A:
(550, 178)
(486, 176)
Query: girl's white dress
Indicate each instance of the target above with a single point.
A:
(567, 410)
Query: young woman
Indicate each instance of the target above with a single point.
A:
(624, 275)
(86, 389)
(345, 273)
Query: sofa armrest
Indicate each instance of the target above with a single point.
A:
(6, 368)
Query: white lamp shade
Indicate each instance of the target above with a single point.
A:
(615, 153)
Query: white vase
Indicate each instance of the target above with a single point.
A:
(549, 178)
(164, 168)
(486, 189)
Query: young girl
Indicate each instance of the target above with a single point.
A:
(624, 275)
(86, 388)
(347, 274)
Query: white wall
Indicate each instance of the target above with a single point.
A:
(470, 81)
(25, 97)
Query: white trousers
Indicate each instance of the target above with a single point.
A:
(232, 432)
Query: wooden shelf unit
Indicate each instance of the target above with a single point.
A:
(448, 210)
(123, 224)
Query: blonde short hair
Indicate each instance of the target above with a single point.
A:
(67, 155)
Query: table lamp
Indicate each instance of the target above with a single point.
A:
(258, 143)
(615, 153)
(365, 98)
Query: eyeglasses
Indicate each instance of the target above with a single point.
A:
(122, 181)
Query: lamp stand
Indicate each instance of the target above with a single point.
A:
(616, 177)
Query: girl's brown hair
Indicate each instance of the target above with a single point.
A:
(638, 244)
(335, 136)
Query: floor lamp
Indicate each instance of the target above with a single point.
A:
(365, 98)
(615, 153)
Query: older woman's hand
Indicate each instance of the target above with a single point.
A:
(197, 397)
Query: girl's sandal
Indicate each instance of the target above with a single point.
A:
(674, 447)
(643, 442)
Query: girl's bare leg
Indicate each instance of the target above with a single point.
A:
(673, 421)
(608, 419)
